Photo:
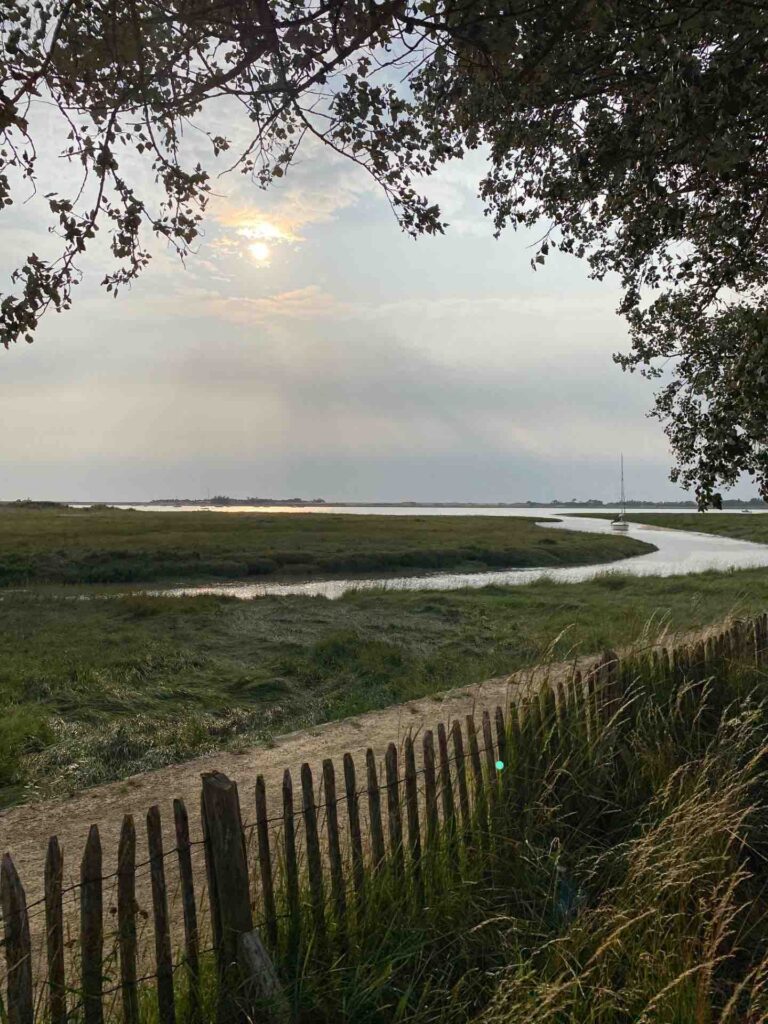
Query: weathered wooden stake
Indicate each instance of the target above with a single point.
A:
(126, 919)
(338, 890)
(230, 896)
(490, 754)
(446, 783)
(412, 805)
(394, 816)
(355, 837)
(374, 812)
(54, 926)
(91, 928)
(18, 948)
(265, 861)
(430, 789)
(210, 879)
(314, 861)
(189, 907)
(166, 1009)
(501, 746)
(461, 775)
(291, 867)
(478, 784)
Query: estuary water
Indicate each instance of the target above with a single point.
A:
(678, 552)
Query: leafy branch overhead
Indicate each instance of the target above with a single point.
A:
(635, 133)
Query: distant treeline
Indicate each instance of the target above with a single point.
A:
(223, 499)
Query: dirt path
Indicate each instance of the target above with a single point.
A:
(25, 830)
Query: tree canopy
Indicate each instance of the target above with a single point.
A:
(635, 133)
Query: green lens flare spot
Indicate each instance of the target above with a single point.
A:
(499, 765)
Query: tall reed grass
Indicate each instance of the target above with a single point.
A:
(615, 872)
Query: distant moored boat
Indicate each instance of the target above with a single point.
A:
(620, 524)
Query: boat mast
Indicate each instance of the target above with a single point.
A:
(623, 498)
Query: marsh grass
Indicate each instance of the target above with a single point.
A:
(752, 527)
(80, 680)
(102, 545)
(624, 880)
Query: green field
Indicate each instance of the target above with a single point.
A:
(753, 526)
(82, 681)
(101, 545)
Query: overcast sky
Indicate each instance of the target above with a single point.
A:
(312, 349)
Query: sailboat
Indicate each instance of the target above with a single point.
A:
(620, 523)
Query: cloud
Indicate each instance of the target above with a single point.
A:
(285, 212)
(307, 303)
(496, 321)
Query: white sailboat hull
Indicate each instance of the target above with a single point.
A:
(620, 527)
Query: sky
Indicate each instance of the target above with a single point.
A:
(311, 349)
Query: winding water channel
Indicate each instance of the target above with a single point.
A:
(678, 552)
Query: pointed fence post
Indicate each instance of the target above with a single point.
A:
(412, 805)
(163, 957)
(126, 919)
(479, 794)
(92, 929)
(490, 759)
(430, 791)
(54, 926)
(446, 783)
(314, 859)
(461, 777)
(394, 817)
(355, 836)
(291, 868)
(338, 888)
(501, 745)
(18, 948)
(374, 811)
(189, 907)
(265, 861)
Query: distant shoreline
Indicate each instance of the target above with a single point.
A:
(300, 503)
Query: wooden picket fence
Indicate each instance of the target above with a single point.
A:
(304, 872)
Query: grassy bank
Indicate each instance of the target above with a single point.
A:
(625, 880)
(97, 690)
(738, 525)
(614, 872)
(103, 545)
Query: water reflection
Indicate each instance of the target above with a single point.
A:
(678, 551)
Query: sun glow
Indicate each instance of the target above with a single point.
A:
(260, 253)
(265, 230)
(254, 236)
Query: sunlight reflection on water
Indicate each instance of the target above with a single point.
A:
(678, 552)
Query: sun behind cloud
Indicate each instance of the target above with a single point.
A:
(254, 236)
(260, 253)
(262, 229)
